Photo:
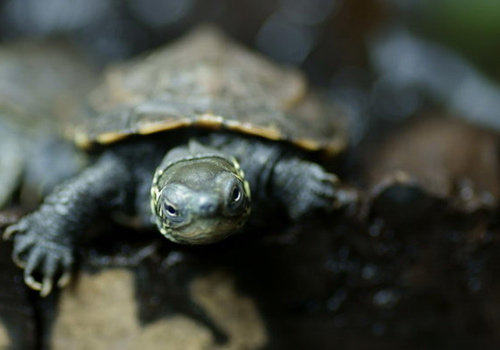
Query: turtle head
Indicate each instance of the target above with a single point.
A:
(200, 200)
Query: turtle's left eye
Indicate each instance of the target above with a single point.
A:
(236, 194)
(235, 201)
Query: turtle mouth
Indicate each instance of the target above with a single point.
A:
(205, 231)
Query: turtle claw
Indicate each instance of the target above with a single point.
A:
(46, 287)
(47, 263)
(32, 283)
(64, 279)
(331, 178)
(47, 260)
(41, 256)
(347, 196)
(21, 246)
(18, 262)
(50, 265)
(10, 232)
(7, 234)
(319, 190)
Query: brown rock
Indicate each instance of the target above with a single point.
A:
(447, 158)
(4, 338)
(232, 312)
(100, 312)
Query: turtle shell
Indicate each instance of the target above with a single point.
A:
(207, 80)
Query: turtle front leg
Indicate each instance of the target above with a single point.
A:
(304, 187)
(44, 240)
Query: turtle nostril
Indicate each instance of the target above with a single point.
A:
(207, 206)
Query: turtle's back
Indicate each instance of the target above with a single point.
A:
(206, 80)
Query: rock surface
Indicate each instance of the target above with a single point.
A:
(18, 325)
(5, 342)
(101, 312)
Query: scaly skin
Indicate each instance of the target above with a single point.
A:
(45, 240)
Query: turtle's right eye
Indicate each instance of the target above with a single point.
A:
(171, 206)
(170, 210)
(172, 213)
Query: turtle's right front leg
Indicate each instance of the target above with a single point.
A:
(44, 240)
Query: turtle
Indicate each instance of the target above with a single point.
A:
(189, 139)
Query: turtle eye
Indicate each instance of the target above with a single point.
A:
(235, 194)
(170, 207)
(171, 211)
(235, 199)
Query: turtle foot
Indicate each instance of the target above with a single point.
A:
(44, 259)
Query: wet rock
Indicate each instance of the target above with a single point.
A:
(5, 342)
(97, 313)
(236, 314)
(18, 320)
(330, 283)
(434, 159)
(102, 312)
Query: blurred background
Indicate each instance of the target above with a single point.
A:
(347, 46)
(419, 82)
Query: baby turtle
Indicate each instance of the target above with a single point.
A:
(227, 135)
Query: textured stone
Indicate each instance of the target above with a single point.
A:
(4, 338)
(17, 314)
(232, 312)
(100, 312)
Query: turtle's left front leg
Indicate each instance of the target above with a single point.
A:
(44, 240)
(304, 187)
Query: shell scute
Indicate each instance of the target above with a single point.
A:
(206, 80)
